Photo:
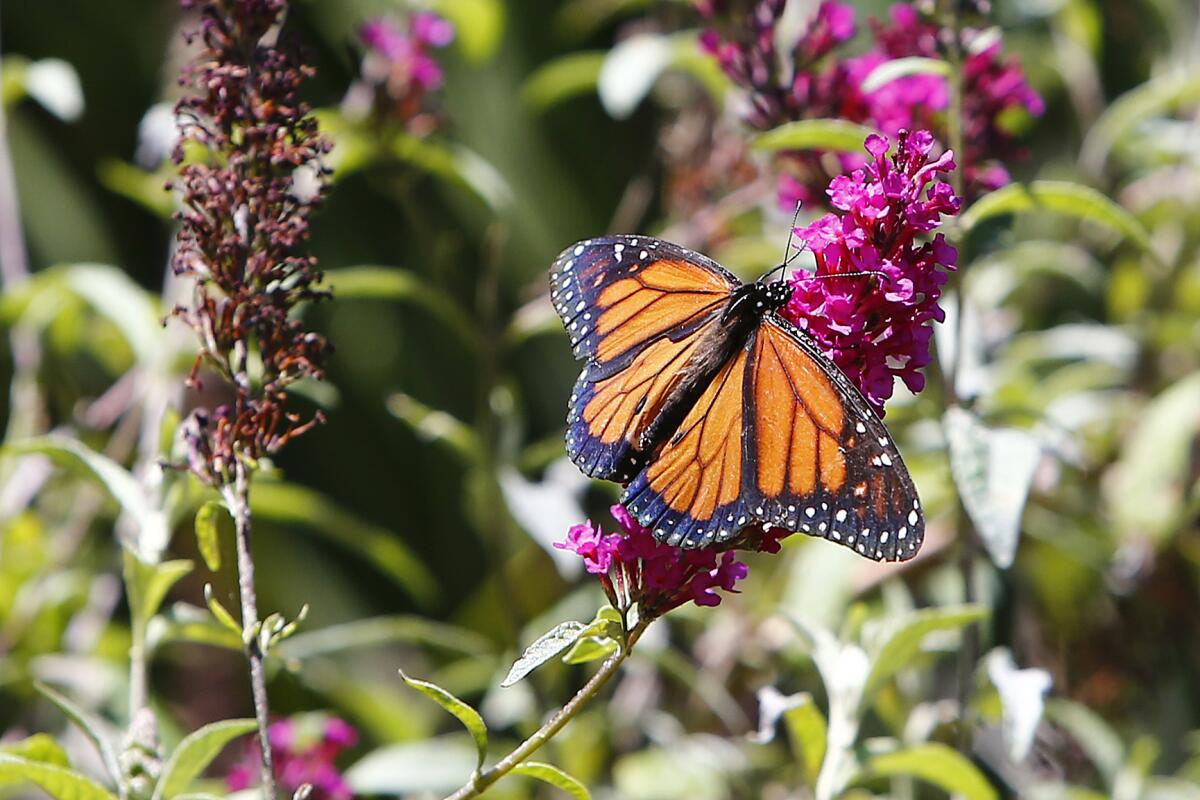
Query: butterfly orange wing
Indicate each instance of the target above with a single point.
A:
(781, 438)
(635, 308)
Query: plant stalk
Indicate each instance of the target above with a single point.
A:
(237, 498)
(480, 781)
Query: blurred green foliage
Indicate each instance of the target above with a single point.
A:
(416, 523)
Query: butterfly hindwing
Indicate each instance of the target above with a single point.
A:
(635, 308)
(823, 462)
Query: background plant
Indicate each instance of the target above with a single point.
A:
(427, 505)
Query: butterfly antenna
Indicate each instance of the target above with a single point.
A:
(788, 255)
(873, 272)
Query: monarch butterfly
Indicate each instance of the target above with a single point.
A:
(714, 411)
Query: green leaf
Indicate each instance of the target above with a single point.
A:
(183, 622)
(808, 733)
(152, 533)
(455, 164)
(438, 765)
(220, 613)
(148, 584)
(544, 648)
(393, 283)
(894, 643)
(630, 70)
(41, 748)
(554, 776)
(993, 470)
(1149, 492)
(563, 78)
(590, 648)
(59, 782)
(431, 425)
(937, 764)
(468, 716)
(897, 68)
(291, 504)
(88, 725)
(478, 24)
(837, 135)
(1061, 197)
(384, 630)
(147, 189)
(1155, 97)
(1099, 742)
(196, 752)
(211, 517)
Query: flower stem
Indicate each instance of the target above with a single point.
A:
(237, 497)
(480, 781)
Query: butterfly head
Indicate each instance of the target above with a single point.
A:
(774, 294)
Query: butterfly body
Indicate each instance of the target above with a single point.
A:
(714, 411)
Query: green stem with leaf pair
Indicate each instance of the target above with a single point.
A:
(480, 781)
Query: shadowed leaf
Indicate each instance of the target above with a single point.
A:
(195, 753)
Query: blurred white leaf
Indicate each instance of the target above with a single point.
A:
(993, 468)
(55, 85)
(1022, 698)
(546, 509)
(158, 132)
(771, 706)
(435, 765)
(630, 70)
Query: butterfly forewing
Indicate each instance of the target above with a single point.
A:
(635, 308)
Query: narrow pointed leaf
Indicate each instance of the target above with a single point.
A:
(937, 764)
(1154, 97)
(836, 135)
(59, 782)
(896, 644)
(544, 648)
(195, 753)
(808, 733)
(220, 613)
(563, 78)
(148, 584)
(897, 68)
(88, 725)
(468, 716)
(547, 773)
(41, 748)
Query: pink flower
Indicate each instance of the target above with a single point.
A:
(305, 748)
(875, 328)
(406, 47)
(634, 567)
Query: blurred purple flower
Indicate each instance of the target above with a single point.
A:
(634, 567)
(406, 47)
(306, 747)
(875, 329)
(815, 80)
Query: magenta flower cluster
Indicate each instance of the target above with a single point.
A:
(814, 79)
(634, 567)
(305, 749)
(875, 327)
(406, 47)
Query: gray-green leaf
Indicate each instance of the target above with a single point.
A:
(88, 725)
(544, 648)
(468, 716)
(898, 68)
(896, 644)
(993, 469)
(148, 584)
(195, 753)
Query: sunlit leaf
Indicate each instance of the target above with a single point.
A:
(59, 782)
(544, 648)
(291, 504)
(383, 630)
(395, 284)
(1151, 484)
(1157, 96)
(993, 469)
(88, 725)
(147, 584)
(937, 764)
(1060, 197)
(437, 765)
(837, 135)
(630, 70)
(147, 189)
(895, 643)
(563, 78)
(468, 716)
(554, 776)
(431, 425)
(220, 613)
(193, 755)
(805, 725)
(478, 25)
(1022, 698)
(211, 517)
(896, 68)
(121, 485)
(40, 747)
(590, 648)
